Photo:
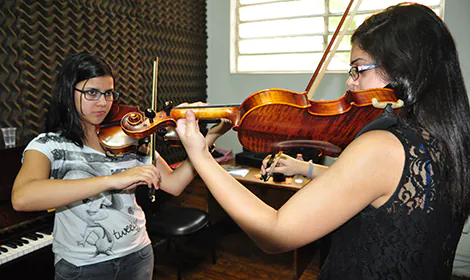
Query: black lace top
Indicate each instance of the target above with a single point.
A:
(411, 236)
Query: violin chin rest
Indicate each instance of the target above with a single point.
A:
(382, 105)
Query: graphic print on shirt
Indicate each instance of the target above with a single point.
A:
(97, 208)
(95, 234)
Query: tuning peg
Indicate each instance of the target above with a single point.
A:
(149, 113)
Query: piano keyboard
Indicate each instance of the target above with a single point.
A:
(32, 260)
(23, 246)
(24, 238)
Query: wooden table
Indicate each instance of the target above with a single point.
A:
(253, 177)
(274, 194)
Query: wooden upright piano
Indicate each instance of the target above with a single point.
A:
(25, 237)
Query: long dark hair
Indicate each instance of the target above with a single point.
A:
(62, 116)
(417, 53)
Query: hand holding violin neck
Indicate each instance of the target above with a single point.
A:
(209, 113)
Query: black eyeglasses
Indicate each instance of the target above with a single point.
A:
(95, 95)
(356, 70)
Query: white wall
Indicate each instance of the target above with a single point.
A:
(227, 88)
(458, 21)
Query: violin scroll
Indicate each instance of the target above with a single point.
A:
(141, 125)
(138, 126)
(113, 140)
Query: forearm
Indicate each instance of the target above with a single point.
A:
(256, 218)
(176, 181)
(179, 179)
(210, 139)
(316, 169)
(303, 168)
(45, 194)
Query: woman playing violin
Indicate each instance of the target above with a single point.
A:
(99, 228)
(396, 199)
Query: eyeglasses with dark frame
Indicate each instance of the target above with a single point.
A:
(356, 70)
(95, 95)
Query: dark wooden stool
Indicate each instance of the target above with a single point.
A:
(177, 222)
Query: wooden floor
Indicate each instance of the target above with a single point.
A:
(237, 258)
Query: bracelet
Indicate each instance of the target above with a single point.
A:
(310, 170)
(212, 148)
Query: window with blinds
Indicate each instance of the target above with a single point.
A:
(281, 36)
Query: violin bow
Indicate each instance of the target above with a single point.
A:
(153, 143)
(314, 82)
(272, 163)
(323, 146)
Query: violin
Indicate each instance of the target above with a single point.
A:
(116, 142)
(117, 139)
(275, 115)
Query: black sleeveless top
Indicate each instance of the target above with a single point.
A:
(411, 236)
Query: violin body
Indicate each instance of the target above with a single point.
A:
(274, 115)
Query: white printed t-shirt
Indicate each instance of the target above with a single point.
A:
(96, 229)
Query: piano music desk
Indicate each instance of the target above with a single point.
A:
(274, 194)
